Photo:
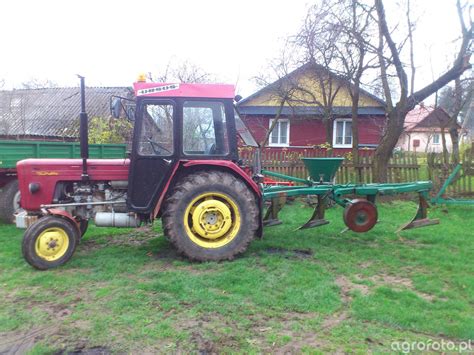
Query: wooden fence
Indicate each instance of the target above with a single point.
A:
(439, 170)
(402, 168)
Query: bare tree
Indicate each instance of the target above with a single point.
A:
(303, 69)
(332, 53)
(183, 72)
(389, 53)
(186, 72)
(355, 21)
(455, 100)
(35, 83)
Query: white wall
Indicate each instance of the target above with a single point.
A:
(426, 142)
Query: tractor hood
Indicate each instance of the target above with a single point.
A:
(38, 178)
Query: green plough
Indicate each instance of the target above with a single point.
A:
(440, 200)
(360, 212)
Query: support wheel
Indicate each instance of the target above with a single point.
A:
(360, 215)
(211, 216)
(50, 242)
(9, 201)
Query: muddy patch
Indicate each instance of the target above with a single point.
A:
(290, 253)
(97, 350)
(365, 265)
(167, 253)
(347, 287)
(20, 342)
(394, 282)
(137, 237)
(399, 283)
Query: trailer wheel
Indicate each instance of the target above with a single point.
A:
(9, 201)
(211, 216)
(360, 215)
(50, 242)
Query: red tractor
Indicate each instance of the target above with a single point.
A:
(183, 169)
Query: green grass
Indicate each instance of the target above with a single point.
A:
(314, 290)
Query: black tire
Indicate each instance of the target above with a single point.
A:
(83, 224)
(39, 229)
(9, 199)
(234, 191)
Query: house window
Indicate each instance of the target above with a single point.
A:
(436, 138)
(280, 135)
(342, 134)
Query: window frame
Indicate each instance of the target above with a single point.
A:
(225, 126)
(279, 144)
(139, 128)
(334, 132)
(439, 138)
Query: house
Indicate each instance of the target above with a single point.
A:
(51, 113)
(301, 125)
(423, 130)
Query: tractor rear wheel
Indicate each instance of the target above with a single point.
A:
(50, 242)
(360, 215)
(211, 216)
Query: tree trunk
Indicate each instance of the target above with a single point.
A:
(454, 134)
(445, 148)
(355, 132)
(453, 126)
(329, 129)
(382, 155)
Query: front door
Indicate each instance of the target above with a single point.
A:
(154, 153)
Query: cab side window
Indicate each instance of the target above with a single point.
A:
(204, 128)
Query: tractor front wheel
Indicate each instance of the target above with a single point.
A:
(50, 242)
(211, 216)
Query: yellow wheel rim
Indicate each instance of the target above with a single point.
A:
(52, 244)
(212, 220)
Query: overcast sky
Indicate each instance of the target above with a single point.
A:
(111, 42)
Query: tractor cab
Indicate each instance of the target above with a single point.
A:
(176, 123)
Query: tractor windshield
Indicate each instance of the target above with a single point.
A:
(243, 131)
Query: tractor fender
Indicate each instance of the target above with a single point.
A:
(63, 214)
(228, 165)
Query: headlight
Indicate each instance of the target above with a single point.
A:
(34, 187)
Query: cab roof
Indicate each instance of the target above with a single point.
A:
(214, 91)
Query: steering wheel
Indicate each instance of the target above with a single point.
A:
(211, 150)
(155, 145)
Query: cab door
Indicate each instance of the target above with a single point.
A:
(154, 153)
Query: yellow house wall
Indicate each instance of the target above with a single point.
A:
(342, 99)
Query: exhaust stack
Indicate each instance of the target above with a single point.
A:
(84, 131)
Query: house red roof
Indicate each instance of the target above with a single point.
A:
(426, 117)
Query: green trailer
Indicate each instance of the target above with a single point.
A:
(358, 200)
(12, 151)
